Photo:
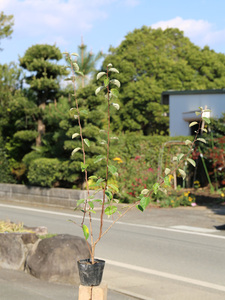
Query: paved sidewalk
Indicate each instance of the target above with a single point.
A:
(17, 285)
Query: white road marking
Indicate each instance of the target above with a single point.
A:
(195, 229)
(132, 267)
(166, 275)
(50, 212)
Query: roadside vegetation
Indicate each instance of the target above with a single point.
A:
(7, 227)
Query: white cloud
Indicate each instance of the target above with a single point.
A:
(191, 28)
(200, 32)
(47, 17)
(57, 20)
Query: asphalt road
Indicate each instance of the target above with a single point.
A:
(157, 255)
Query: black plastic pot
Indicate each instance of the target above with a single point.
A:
(90, 274)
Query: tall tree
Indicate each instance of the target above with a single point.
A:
(87, 61)
(6, 23)
(41, 61)
(152, 61)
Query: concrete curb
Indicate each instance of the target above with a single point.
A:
(48, 196)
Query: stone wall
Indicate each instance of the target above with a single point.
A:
(45, 196)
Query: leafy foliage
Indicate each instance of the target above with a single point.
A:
(152, 61)
(41, 61)
(44, 172)
(6, 23)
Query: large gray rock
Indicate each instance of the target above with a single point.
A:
(14, 248)
(55, 258)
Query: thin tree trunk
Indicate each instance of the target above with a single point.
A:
(40, 127)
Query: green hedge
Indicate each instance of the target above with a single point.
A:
(44, 172)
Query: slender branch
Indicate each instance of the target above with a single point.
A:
(107, 161)
(117, 219)
(82, 141)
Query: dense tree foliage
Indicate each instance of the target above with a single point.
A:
(152, 61)
(41, 61)
(6, 23)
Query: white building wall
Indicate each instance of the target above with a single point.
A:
(180, 104)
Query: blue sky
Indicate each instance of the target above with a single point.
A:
(102, 23)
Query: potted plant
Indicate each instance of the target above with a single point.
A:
(90, 270)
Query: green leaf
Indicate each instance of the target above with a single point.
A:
(106, 82)
(113, 70)
(91, 204)
(197, 113)
(93, 177)
(144, 191)
(99, 89)
(100, 74)
(115, 82)
(80, 201)
(99, 158)
(188, 142)
(113, 187)
(114, 92)
(156, 187)
(112, 169)
(191, 161)
(74, 54)
(100, 180)
(75, 135)
(87, 142)
(79, 73)
(167, 171)
(97, 200)
(140, 207)
(179, 157)
(109, 195)
(85, 231)
(192, 124)
(167, 181)
(83, 166)
(182, 173)
(145, 202)
(207, 120)
(201, 140)
(110, 210)
(76, 67)
(75, 150)
(69, 78)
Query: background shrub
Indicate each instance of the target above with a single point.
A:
(44, 172)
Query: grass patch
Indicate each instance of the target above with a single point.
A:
(47, 236)
(7, 226)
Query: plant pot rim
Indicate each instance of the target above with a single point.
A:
(88, 260)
